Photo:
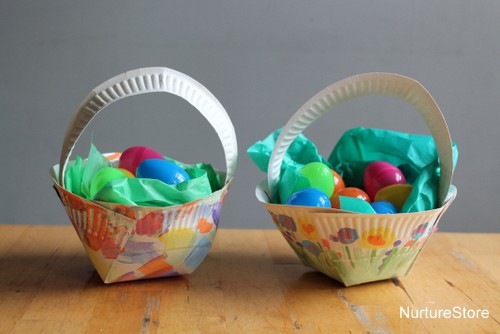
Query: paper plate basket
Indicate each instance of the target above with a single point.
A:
(356, 248)
(127, 242)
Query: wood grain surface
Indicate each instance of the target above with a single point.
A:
(250, 282)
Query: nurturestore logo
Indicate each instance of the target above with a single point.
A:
(456, 312)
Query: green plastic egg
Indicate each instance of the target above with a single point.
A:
(102, 177)
(318, 176)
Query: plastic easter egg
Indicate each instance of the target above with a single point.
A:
(319, 176)
(349, 192)
(380, 174)
(309, 197)
(102, 177)
(132, 157)
(162, 170)
(127, 173)
(339, 182)
(384, 207)
(396, 194)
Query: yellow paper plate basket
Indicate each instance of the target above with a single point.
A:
(356, 248)
(127, 242)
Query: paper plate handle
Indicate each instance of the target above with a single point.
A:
(149, 80)
(362, 85)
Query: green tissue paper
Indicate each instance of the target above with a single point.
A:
(415, 155)
(301, 152)
(204, 180)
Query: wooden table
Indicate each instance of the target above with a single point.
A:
(250, 282)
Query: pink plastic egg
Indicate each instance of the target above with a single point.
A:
(380, 174)
(133, 156)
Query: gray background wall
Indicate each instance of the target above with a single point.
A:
(262, 60)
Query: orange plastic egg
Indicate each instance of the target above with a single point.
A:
(349, 192)
(339, 182)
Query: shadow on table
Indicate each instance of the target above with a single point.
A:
(46, 271)
(243, 271)
(283, 274)
(54, 273)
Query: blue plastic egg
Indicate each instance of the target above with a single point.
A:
(384, 207)
(162, 170)
(309, 197)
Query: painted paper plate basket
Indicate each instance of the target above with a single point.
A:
(355, 248)
(127, 242)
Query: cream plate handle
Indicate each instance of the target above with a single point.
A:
(362, 85)
(150, 80)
